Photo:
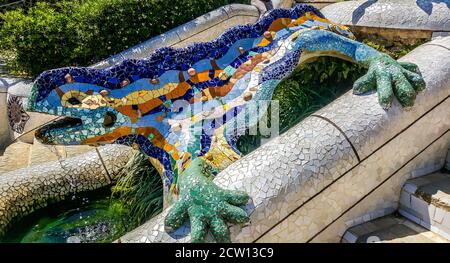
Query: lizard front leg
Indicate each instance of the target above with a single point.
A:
(206, 205)
(389, 77)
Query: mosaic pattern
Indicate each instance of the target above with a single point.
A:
(177, 105)
(16, 115)
(25, 190)
(282, 175)
(402, 14)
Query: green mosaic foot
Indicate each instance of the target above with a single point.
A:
(391, 78)
(206, 205)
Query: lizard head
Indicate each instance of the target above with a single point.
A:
(87, 110)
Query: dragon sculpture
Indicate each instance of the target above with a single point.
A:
(177, 105)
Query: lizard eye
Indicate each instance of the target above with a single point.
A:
(74, 101)
(109, 119)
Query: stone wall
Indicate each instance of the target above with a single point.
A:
(409, 16)
(4, 126)
(26, 190)
(383, 200)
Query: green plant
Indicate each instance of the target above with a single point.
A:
(394, 46)
(394, 50)
(138, 190)
(38, 37)
(310, 87)
(313, 86)
(81, 32)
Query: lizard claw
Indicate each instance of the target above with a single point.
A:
(391, 79)
(206, 205)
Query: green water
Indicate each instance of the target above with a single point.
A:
(85, 218)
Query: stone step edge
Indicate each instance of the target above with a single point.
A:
(424, 224)
(431, 200)
(424, 208)
(397, 218)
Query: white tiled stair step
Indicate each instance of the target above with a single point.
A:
(391, 229)
(426, 201)
(44, 153)
(15, 157)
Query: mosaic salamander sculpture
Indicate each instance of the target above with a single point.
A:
(151, 103)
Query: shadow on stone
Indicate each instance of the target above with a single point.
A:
(360, 11)
(427, 5)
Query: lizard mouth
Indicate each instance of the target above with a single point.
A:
(46, 133)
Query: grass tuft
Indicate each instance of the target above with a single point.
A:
(139, 189)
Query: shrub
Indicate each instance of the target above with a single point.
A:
(79, 33)
(39, 38)
(309, 88)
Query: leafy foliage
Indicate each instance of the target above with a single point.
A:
(313, 86)
(81, 32)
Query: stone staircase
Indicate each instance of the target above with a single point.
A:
(423, 214)
(20, 154)
(391, 229)
(426, 201)
(15, 156)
